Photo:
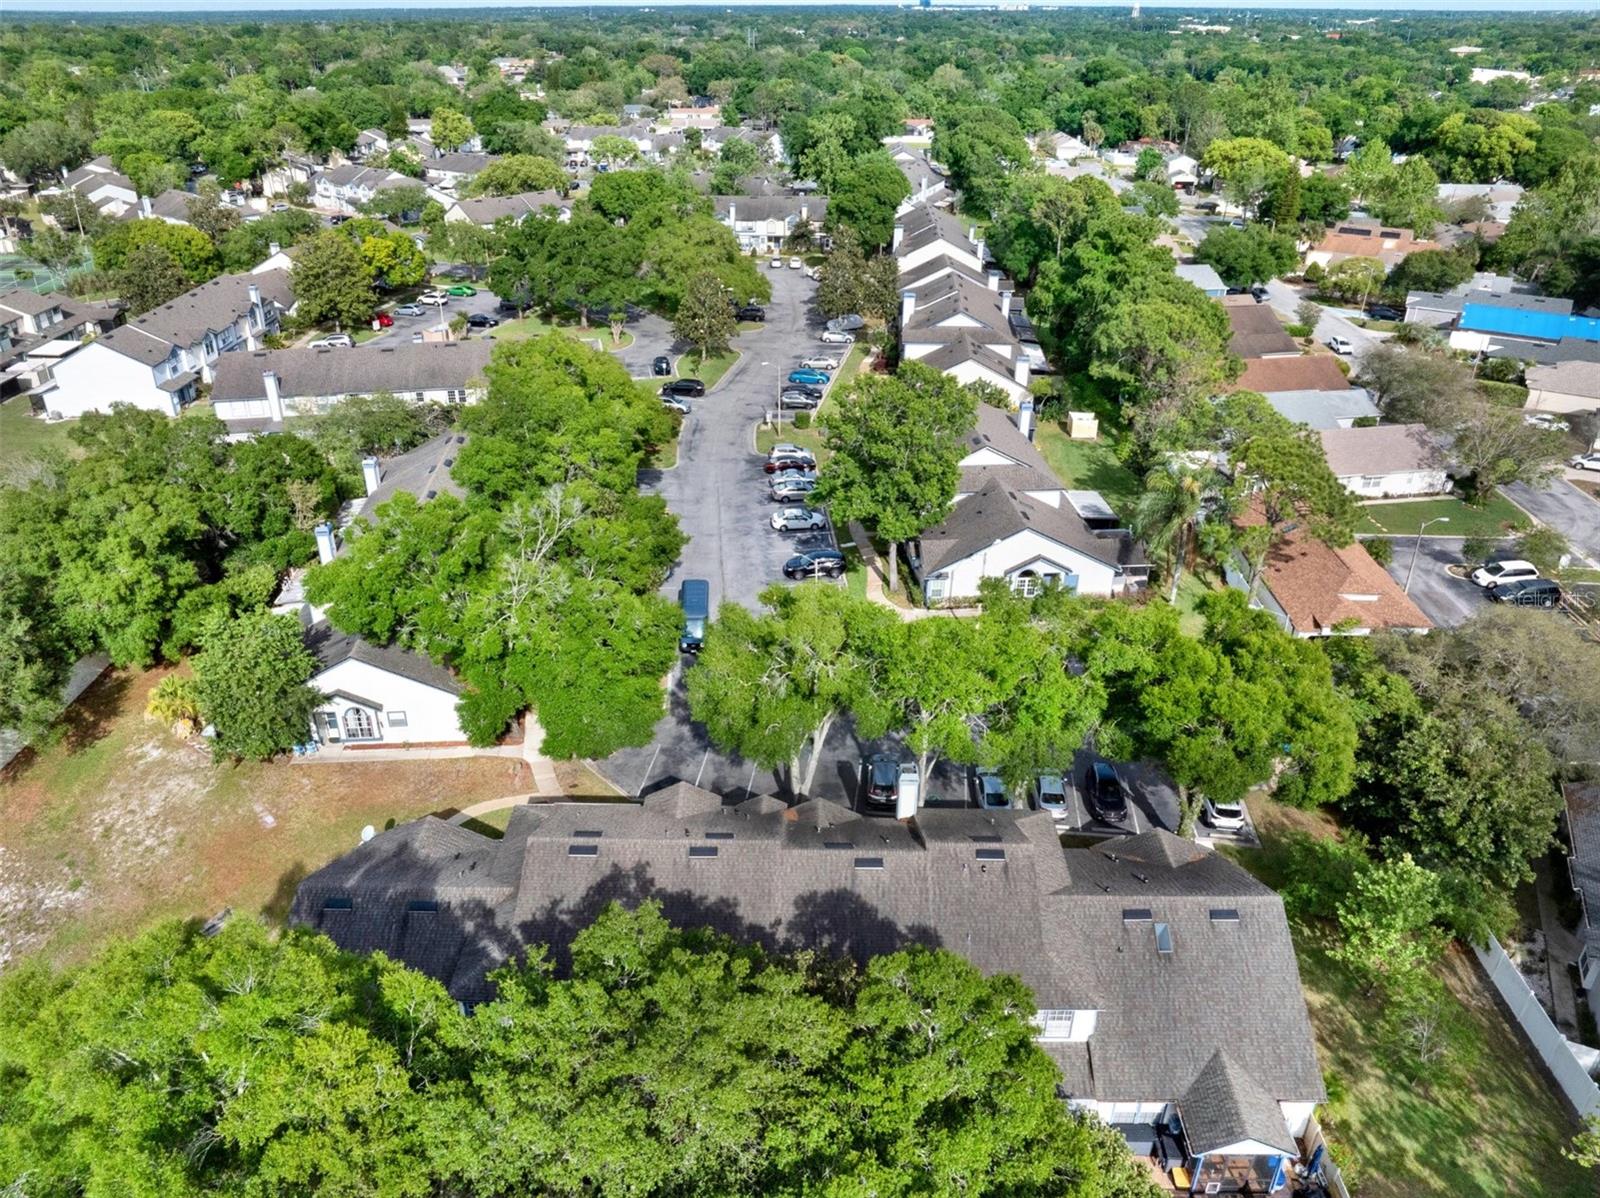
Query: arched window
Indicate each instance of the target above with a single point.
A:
(358, 723)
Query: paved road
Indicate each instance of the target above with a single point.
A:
(1564, 508)
(1445, 600)
(1334, 322)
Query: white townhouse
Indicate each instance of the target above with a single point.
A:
(370, 142)
(925, 233)
(380, 696)
(764, 223)
(37, 331)
(346, 188)
(450, 171)
(110, 191)
(156, 361)
(1387, 460)
(485, 211)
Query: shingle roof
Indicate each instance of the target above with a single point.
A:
(403, 367)
(935, 267)
(1202, 274)
(1320, 588)
(963, 346)
(1369, 239)
(1384, 449)
(1514, 301)
(1310, 372)
(458, 162)
(1224, 1106)
(771, 207)
(485, 210)
(1571, 378)
(788, 877)
(372, 177)
(1257, 331)
(186, 319)
(172, 204)
(995, 512)
(925, 225)
(29, 303)
(331, 647)
(1323, 409)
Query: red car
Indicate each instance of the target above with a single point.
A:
(384, 320)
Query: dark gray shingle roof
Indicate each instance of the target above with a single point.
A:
(400, 368)
(995, 512)
(186, 319)
(330, 647)
(1225, 1106)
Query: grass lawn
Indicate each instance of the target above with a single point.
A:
(1191, 589)
(715, 366)
(23, 434)
(1087, 465)
(1495, 517)
(536, 326)
(852, 364)
(120, 824)
(1491, 1127)
(806, 438)
(664, 456)
(855, 577)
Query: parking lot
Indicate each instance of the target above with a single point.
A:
(1443, 598)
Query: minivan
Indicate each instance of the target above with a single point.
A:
(1496, 573)
(694, 597)
(1527, 592)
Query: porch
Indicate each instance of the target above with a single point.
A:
(1175, 1169)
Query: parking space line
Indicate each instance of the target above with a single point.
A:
(750, 784)
(1134, 807)
(1077, 815)
(648, 770)
(701, 771)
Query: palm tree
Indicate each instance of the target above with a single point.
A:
(1165, 516)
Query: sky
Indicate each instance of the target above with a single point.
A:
(421, 6)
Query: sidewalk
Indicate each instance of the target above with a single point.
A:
(875, 583)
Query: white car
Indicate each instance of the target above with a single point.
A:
(796, 264)
(1224, 817)
(1586, 461)
(784, 449)
(829, 337)
(820, 363)
(332, 341)
(991, 788)
(1341, 345)
(1492, 574)
(798, 519)
(433, 297)
(673, 404)
(1050, 794)
(775, 264)
(1546, 421)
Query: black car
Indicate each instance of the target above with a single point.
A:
(506, 306)
(482, 320)
(690, 388)
(1384, 312)
(828, 563)
(779, 465)
(1104, 794)
(799, 402)
(661, 366)
(807, 389)
(751, 312)
(1527, 592)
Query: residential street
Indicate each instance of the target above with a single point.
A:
(1444, 599)
(1564, 508)
(1335, 321)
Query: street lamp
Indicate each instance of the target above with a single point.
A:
(1417, 551)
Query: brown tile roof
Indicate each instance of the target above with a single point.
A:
(1320, 587)
(1310, 372)
(1369, 239)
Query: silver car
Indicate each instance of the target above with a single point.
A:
(992, 793)
(1050, 794)
(792, 486)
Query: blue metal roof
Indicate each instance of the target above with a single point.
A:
(1542, 326)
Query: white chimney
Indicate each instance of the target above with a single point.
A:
(982, 250)
(1005, 302)
(894, 243)
(255, 295)
(907, 800)
(1025, 418)
(733, 215)
(273, 249)
(908, 305)
(144, 206)
(269, 382)
(1019, 370)
(371, 474)
(804, 213)
(325, 543)
(994, 280)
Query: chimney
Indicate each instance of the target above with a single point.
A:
(908, 305)
(972, 232)
(269, 381)
(1005, 302)
(981, 248)
(894, 243)
(733, 215)
(907, 799)
(1025, 416)
(371, 474)
(273, 249)
(325, 542)
(994, 280)
(1019, 369)
(144, 205)
(804, 214)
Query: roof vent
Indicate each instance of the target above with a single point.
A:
(1145, 878)
(1110, 856)
(719, 835)
(337, 902)
(1163, 938)
(1136, 915)
(583, 850)
(869, 862)
(838, 844)
(588, 833)
(702, 851)
(1224, 915)
(990, 854)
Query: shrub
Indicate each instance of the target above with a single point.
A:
(802, 420)
(1501, 370)
(1508, 395)
(175, 700)
(1544, 547)
(1298, 330)
(1381, 549)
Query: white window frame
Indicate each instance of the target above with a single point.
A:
(398, 719)
(1054, 1024)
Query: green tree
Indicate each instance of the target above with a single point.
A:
(402, 203)
(450, 129)
(190, 248)
(1324, 201)
(210, 215)
(38, 150)
(1369, 171)
(250, 681)
(389, 257)
(1408, 197)
(896, 444)
(1253, 254)
(515, 174)
(705, 318)
(1387, 920)
(1282, 207)
(1430, 270)
(1585, 1146)
(865, 197)
(1166, 514)
(1246, 166)
(1283, 482)
(612, 149)
(1355, 279)
(149, 277)
(331, 283)
(572, 267)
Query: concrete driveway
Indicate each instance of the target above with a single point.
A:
(1564, 508)
(1444, 599)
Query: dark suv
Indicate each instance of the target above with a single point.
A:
(684, 388)
(1107, 801)
(482, 320)
(661, 366)
(751, 312)
(1527, 592)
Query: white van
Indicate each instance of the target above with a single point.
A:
(1492, 574)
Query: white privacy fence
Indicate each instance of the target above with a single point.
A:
(1552, 1047)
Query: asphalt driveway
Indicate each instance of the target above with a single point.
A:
(1564, 508)
(1444, 599)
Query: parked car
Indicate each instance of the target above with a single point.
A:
(775, 264)
(803, 389)
(507, 307)
(1340, 345)
(786, 449)
(779, 465)
(1105, 797)
(674, 404)
(433, 297)
(1050, 794)
(991, 789)
(799, 401)
(1385, 312)
(750, 312)
(661, 366)
(280, 207)
(462, 290)
(834, 337)
(1586, 461)
(332, 341)
(694, 597)
(1527, 592)
(1225, 817)
(1236, 223)
(789, 487)
(796, 264)
(693, 388)
(845, 324)
(814, 378)
(1503, 570)
(888, 779)
(820, 362)
(798, 519)
(1546, 420)
(409, 310)
(482, 320)
(383, 320)
(815, 563)
(1258, 293)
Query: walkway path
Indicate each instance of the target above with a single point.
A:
(488, 805)
(875, 582)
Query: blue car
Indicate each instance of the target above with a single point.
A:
(816, 378)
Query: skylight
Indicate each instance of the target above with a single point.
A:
(1136, 915)
(990, 854)
(1163, 938)
(1224, 915)
(869, 862)
(583, 850)
(702, 851)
